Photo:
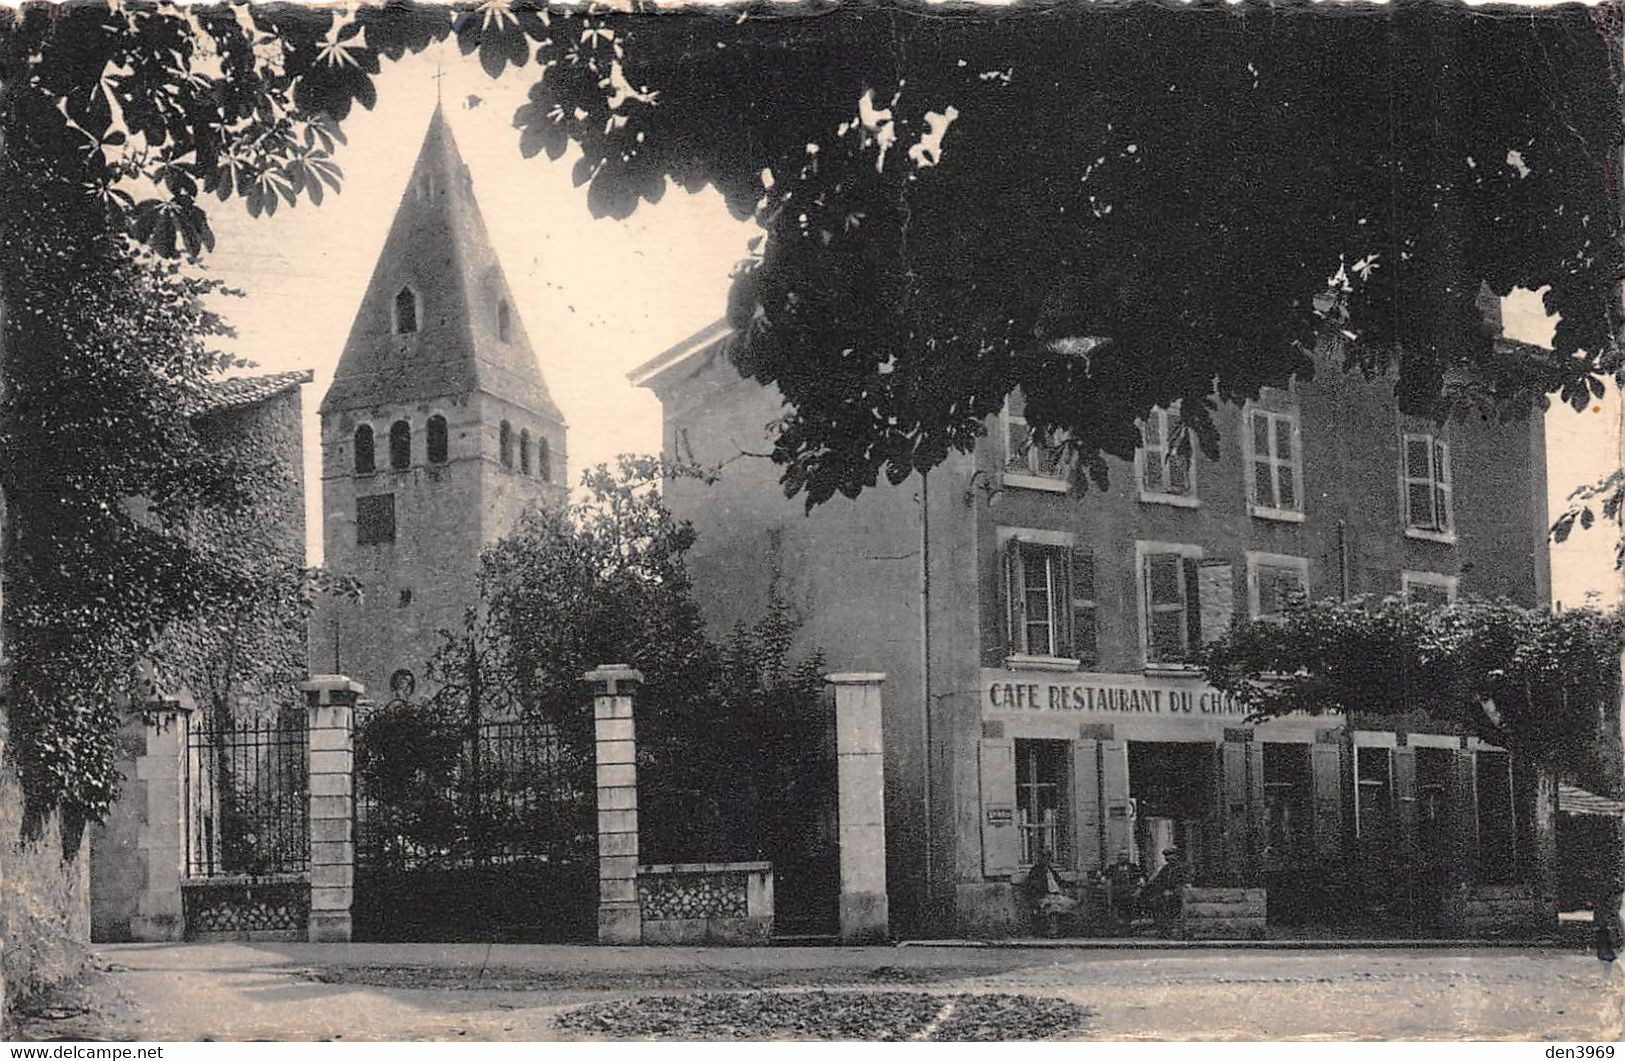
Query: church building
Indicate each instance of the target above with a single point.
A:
(437, 432)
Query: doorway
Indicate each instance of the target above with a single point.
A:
(1171, 784)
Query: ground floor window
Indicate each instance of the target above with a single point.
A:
(1288, 800)
(1041, 792)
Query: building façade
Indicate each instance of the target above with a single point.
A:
(1038, 647)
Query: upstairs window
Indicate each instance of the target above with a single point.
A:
(505, 444)
(1176, 587)
(504, 319)
(406, 312)
(524, 451)
(1026, 461)
(437, 439)
(1049, 595)
(1274, 460)
(1428, 493)
(544, 461)
(366, 460)
(1166, 466)
(400, 445)
(1273, 581)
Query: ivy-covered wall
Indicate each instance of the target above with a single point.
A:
(44, 897)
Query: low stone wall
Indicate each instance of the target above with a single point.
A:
(44, 900)
(1506, 910)
(263, 909)
(706, 902)
(1222, 913)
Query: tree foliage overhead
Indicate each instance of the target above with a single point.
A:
(949, 197)
(1538, 682)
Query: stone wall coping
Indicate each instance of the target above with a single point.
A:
(238, 880)
(855, 678)
(613, 671)
(332, 682)
(704, 867)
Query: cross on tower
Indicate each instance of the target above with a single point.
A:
(437, 76)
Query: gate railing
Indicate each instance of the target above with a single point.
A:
(432, 791)
(247, 801)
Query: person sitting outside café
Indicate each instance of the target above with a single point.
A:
(1165, 893)
(1124, 880)
(1046, 895)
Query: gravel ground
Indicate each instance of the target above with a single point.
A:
(476, 992)
(877, 1016)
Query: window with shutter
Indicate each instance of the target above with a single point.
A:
(1166, 465)
(1425, 472)
(1027, 461)
(1273, 581)
(1040, 599)
(1170, 588)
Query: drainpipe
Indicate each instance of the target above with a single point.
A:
(1343, 558)
(928, 914)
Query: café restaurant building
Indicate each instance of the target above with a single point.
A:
(1038, 643)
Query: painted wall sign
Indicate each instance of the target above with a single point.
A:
(1112, 696)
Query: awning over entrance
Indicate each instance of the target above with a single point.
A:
(1572, 799)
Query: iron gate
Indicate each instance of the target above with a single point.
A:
(472, 830)
(247, 826)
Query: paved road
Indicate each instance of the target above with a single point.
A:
(303, 991)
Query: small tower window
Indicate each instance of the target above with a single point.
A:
(406, 312)
(544, 461)
(504, 319)
(505, 444)
(400, 445)
(365, 459)
(437, 439)
(524, 452)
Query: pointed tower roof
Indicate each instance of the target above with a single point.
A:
(466, 335)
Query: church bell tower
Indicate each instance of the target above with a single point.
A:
(437, 432)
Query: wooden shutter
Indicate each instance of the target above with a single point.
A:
(1326, 772)
(1443, 502)
(1217, 607)
(1015, 601)
(1000, 846)
(1233, 809)
(1404, 763)
(1086, 799)
(1060, 598)
(1258, 826)
(1119, 827)
(1081, 609)
(1464, 816)
(1193, 605)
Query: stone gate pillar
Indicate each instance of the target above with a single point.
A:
(330, 701)
(860, 779)
(614, 689)
(161, 774)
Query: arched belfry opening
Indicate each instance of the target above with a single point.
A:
(406, 311)
(400, 445)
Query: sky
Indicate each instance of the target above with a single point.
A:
(600, 297)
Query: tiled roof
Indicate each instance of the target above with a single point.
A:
(240, 391)
(1572, 799)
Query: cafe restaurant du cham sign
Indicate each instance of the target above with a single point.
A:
(1105, 697)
